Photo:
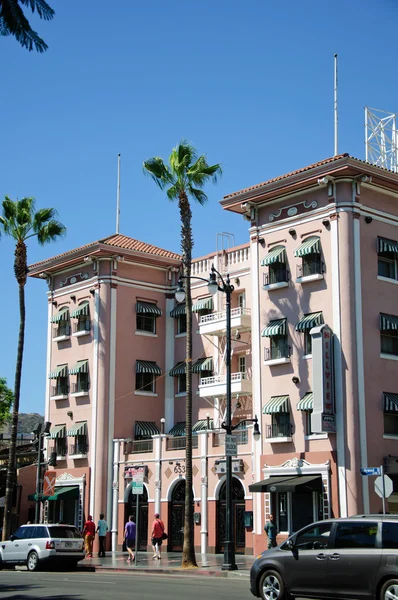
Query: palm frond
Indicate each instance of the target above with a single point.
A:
(43, 9)
(199, 195)
(50, 232)
(158, 171)
(201, 171)
(181, 157)
(173, 192)
(13, 22)
(42, 216)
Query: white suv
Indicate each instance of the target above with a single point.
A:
(34, 545)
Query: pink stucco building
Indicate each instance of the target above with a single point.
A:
(321, 258)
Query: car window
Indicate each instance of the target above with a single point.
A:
(355, 535)
(314, 538)
(39, 532)
(390, 535)
(64, 532)
(22, 533)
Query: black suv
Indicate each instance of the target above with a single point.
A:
(337, 558)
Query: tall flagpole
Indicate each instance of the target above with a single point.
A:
(118, 195)
(336, 116)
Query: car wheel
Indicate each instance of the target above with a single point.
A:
(33, 561)
(389, 591)
(272, 586)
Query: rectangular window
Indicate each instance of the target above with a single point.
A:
(182, 383)
(387, 258)
(390, 424)
(282, 511)
(308, 427)
(81, 384)
(307, 342)
(277, 273)
(61, 387)
(145, 382)
(181, 324)
(389, 342)
(311, 265)
(355, 535)
(80, 446)
(390, 536)
(242, 364)
(147, 323)
(60, 446)
(281, 426)
(242, 300)
(278, 347)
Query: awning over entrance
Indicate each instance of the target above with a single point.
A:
(148, 308)
(390, 402)
(311, 245)
(59, 371)
(145, 429)
(178, 429)
(59, 431)
(146, 366)
(277, 327)
(179, 369)
(178, 310)
(78, 429)
(83, 310)
(203, 304)
(384, 245)
(306, 402)
(80, 367)
(33, 497)
(203, 364)
(292, 483)
(62, 315)
(70, 492)
(277, 404)
(277, 254)
(388, 322)
(309, 321)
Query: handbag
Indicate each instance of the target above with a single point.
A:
(164, 535)
(124, 547)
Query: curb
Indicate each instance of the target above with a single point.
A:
(171, 571)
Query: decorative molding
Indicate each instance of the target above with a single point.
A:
(292, 210)
(74, 279)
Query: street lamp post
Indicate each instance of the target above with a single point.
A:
(40, 434)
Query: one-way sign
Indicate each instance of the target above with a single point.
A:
(370, 471)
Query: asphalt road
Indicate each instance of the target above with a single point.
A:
(21, 585)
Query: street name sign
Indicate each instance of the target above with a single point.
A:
(370, 471)
(387, 486)
(231, 445)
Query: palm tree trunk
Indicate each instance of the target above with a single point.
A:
(11, 466)
(188, 551)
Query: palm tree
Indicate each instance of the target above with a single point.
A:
(21, 221)
(6, 399)
(13, 22)
(182, 178)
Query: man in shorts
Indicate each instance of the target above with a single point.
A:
(129, 538)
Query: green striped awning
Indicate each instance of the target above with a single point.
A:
(62, 315)
(311, 245)
(178, 310)
(80, 367)
(145, 429)
(277, 327)
(70, 492)
(306, 402)
(203, 364)
(178, 429)
(384, 245)
(203, 304)
(83, 310)
(59, 431)
(148, 308)
(146, 366)
(59, 371)
(202, 425)
(310, 321)
(179, 369)
(77, 429)
(390, 402)
(277, 254)
(277, 404)
(388, 322)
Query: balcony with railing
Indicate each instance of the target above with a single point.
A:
(276, 278)
(310, 270)
(180, 442)
(217, 385)
(242, 438)
(61, 449)
(216, 323)
(279, 432)
(78, 450)
(277, 355)
(81, 327)
(80, 388)
(138, 447)
(61, 331)
(59, 391)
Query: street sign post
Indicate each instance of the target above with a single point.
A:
(137, 488)
(231, 445)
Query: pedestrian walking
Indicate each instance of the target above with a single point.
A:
(129, 537)
(271, 531)
(102, 528)
(157, 536)
(89, 534)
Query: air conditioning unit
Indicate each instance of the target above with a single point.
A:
(220, 466)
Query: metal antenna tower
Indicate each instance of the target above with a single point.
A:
(381, 138)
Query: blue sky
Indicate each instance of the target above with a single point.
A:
(249, 83)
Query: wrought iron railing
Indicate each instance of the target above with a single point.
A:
(283, 430)
(81, 448)
(313, 267)
(275, 276)
(60, 448)
(60, 389)
(81, 325)
(180, 442)
(138, 446)
(62, 329)
(79, 386)
(275, 352)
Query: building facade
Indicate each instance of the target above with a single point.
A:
(314, 357)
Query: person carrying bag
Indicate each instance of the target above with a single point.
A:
(158, 535)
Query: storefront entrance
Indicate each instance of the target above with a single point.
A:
(238, 511)
(176, 518)
(130, 508)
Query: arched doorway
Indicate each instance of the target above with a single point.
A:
(130, 508)
(238, 511)
(176, 517)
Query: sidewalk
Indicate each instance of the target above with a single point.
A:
(208, 564)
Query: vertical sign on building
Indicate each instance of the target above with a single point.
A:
(323, 418)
